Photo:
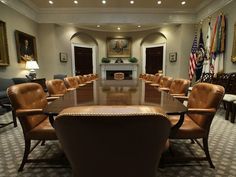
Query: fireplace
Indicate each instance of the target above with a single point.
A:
(129, 69)
(110, 74)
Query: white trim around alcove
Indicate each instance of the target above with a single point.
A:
(93, 47)
(144, 47)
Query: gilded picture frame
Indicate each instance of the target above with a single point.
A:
(119, 47)
(233, 58)
(4, 55)
(25, 46)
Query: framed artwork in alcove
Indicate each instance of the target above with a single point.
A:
(118, 47)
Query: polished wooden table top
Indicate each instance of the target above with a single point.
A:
(117, 92)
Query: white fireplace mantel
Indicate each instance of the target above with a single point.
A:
(119, 67)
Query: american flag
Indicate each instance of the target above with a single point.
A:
(192, 58)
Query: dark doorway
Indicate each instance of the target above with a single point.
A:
(154, 59)
(83, 60)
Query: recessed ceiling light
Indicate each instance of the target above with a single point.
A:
(50, 2)
(104, 2)
(183, 2)
(139, 26)
(158, 2)
(76, 2)
(98, 26)
(131, 2)
(118, 28)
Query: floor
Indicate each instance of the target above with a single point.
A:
(222, 145)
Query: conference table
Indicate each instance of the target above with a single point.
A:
(118, 92)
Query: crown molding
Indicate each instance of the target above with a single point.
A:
(116, 15)
(213, 7)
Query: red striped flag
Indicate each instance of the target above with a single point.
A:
(192, 58)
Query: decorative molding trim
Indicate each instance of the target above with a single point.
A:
(213, 7)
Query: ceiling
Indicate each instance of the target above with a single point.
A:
(175, 4)
(88, 14)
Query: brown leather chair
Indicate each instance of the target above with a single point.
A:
(165, 82)
(119, 76)
(56, 87)
(113, 141)
(178, 87)
(203, 102)
(71, 82)
(28, 100)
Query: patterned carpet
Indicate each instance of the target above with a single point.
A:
(222, 144)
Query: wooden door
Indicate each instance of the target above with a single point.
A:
(154, 59)
(83, 60)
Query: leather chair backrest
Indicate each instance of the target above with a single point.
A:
(113, 141)
(157, 78)
(179, 86)
(166, 81)
(203, 96)
(28, 96)
(56, 86)
(71, 82)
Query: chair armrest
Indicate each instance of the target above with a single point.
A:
(201, 111)
(177, 94)
(28, 112)
(69, 89)
(181, 98)
(164, 89)
(56, 95)
(52, 98)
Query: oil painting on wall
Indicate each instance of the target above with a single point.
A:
(25, 46)
(118, 47)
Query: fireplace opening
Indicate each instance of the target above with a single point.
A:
(110, 74)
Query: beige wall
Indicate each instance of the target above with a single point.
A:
(52, 39)
(15, 21)
(230, 13)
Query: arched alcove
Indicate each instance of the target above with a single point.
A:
(152, 40)
(84, 40)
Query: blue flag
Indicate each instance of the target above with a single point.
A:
(201, 55)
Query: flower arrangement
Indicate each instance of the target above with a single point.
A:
(133, 60)
(106, 60)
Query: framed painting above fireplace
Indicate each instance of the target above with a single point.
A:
(118, 47)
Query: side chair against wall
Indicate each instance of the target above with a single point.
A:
(56, 87)
(59, 76)
(207, 77)
(230, 96)
(5, 102)
(28, 100)
(120, 141)
(203, 102)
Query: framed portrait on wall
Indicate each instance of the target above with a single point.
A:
(4, 55)
(118, 47)
(25, 46)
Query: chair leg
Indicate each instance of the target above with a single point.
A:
(228, 110)
(206, 150)
(14, 118)
(233, 112)
(26, 154)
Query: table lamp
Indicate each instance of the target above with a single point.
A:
(32, 65)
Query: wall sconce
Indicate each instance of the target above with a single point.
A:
(32, 65)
